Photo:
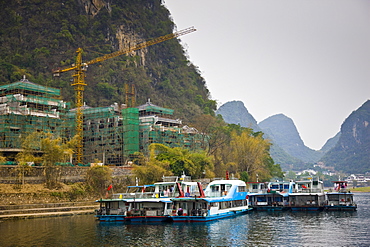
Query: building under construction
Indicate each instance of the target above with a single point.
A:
(111, 135)
(26, 107)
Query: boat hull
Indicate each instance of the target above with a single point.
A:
(122, 218)
(269, 208)
(148, 218)
(340, 208)
(209, 217)
(111, 218)
(306, 208)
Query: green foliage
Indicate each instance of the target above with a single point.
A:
(98, 179)
(351, 152)
(77, 190)
(46, 149)
(173, 161)
(39, 36)
(244, 176)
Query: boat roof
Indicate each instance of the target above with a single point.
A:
(283, 194)
(140, 186)
(206, 199)
(163, 199)
(224, 181)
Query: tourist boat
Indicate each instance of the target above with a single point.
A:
(143, 206)
(308, 195)
(340, 199)
(221, 199)
(270, 196)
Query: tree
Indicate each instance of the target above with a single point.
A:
(247, 155)
(153, 170)
(164, 160)
(45, 148)
(98, 178)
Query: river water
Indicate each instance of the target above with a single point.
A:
(254, 229)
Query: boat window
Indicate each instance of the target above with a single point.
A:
(224, 205)
(255, 186)
(215, 188)
(241, 189)
(112, 205)
(274, 186)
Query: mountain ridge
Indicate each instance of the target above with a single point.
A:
(287, 150)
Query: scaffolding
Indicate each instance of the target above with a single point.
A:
(158, 126)
(26, 107)
(111, 135)
(103, 134)
(130, 124)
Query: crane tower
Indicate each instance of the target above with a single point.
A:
(80, 69)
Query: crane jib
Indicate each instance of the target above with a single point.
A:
(79, 78)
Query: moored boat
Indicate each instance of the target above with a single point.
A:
(143, 206)
(272, 196)
(340, 198)
(222, 198)
(308, 195)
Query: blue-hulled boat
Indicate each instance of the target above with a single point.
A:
(147, 203)
(222, 199)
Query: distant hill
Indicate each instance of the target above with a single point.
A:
(234, 112)
(284, 133)
(351, 154)
(330, 143)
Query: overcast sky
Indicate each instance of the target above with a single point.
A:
(306, 59)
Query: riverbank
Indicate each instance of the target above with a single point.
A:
(36, 201)
(11, 194)
(361, 189)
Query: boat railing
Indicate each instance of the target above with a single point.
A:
(309, 190)
(342, 190)
(133, 195)
(213, 194)
(108, 211)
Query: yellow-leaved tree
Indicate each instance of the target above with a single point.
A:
(48, 150)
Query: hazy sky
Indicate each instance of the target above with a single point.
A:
(307, 59)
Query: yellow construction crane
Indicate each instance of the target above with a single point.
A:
(79, 78)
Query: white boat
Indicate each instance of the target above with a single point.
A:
(148, 203)
(222, 198)
(270, 196)
(308, 195)
(340, 198)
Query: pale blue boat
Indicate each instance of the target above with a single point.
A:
(222, 199)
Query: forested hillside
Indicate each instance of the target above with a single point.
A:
(37, 37)
(352, 152)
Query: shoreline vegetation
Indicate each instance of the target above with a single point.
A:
(360, 189)
(38, 193)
